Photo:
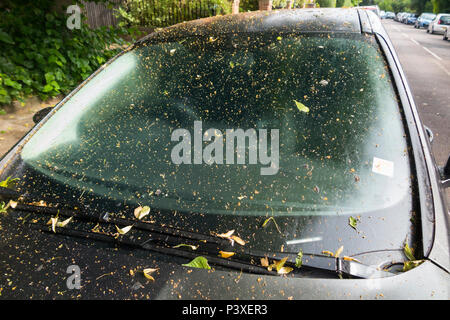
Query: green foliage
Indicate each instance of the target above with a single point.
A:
(326, 3)
(41, 56)
(344, 3)
(441, 6)
(162, 13)
(8, 182)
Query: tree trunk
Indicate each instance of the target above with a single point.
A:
(235, 7)
(265, 5)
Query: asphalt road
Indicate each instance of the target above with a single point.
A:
(425, 59)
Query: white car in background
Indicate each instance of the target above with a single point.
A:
(439, 24)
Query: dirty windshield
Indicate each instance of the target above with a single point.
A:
(237, 125)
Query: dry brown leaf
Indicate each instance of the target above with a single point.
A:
(226, 235)
(147, 273)
(62, 224)
(284, 270)
(140, 212)
(265, 262)
(238, 240)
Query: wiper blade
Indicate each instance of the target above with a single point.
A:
(147, 245)
(165, 235)
(138, 224)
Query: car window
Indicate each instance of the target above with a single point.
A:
(445, 20)
(341, 140)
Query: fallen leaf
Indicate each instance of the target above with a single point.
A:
(226, 254)
(280, 264)
(352, 222)
(147, 273)
(301, 107)
(140, 212)
(339, 251)
(226, 235)
(63, 223)
(124, 230)
(284, 270)
(331, 254)
(53, 222)
(265, 262)
(408, 252)
(351, 259)
(238, 240)
(299, 259)
(408, 265)
(186, 245)
(199, 262)
(271, 219)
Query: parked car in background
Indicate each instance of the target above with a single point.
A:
(405, 17)
(439, 23)
(412, 18)
(424, 20)
(397, 16)
(382, 14)
(389, 15)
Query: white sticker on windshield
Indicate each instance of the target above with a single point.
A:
(383, 167)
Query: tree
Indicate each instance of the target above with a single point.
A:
(326, 3)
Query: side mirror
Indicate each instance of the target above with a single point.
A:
(445, 174)
(38, 116)
(430, 134)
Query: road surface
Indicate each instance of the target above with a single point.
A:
(425, 59)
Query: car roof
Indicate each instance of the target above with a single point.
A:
(340, 20)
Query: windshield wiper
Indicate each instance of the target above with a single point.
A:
(162, 236)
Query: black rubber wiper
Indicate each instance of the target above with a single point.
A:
(161, 237)
(163, 231)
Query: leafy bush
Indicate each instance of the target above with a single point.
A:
(326, 3)
(40, 56)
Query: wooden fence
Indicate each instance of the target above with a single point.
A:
(154, 13)
(99, 14)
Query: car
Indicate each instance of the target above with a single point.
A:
(424, 20)
(382, 14)
(401, 16)
(389, 15)
(405, 17)
(439, 23)
(412, 18)
(122, 189)
(398, 15)
(446, 33)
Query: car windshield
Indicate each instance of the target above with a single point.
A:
(322, 130)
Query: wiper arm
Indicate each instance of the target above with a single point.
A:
(172, 235)
(137, 224)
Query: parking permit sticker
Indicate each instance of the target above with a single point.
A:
(383, 167)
